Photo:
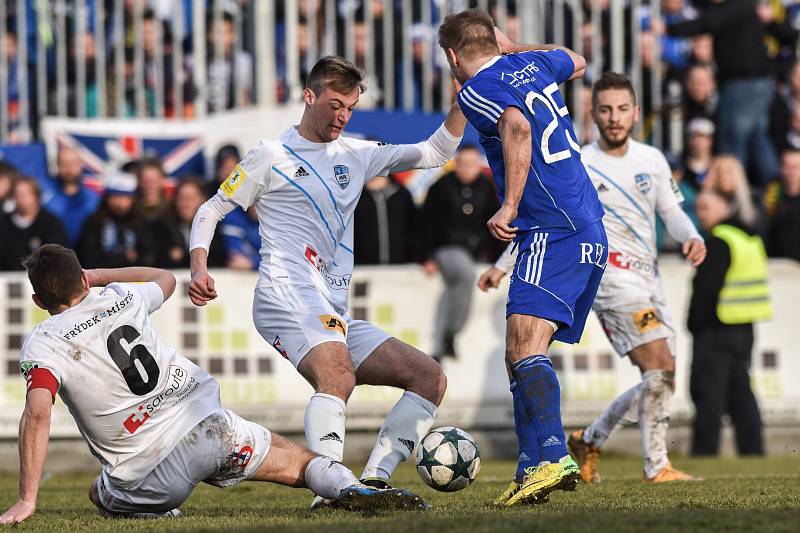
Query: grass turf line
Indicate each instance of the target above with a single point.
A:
(738, 495)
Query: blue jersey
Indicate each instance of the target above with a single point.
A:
(558, 193)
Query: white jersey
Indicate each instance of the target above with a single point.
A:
(305, 194)
(132, 398)
(632, 188)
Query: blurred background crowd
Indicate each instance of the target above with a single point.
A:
(718, 81)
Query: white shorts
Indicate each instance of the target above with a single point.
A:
(296, 318)
(637, 323)
(222, 450)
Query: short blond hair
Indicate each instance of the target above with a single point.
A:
(469, 32)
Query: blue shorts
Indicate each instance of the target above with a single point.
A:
(556, 277)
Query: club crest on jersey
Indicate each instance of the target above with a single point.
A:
(643, 183)
(342, 175)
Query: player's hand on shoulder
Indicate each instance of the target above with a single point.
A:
(490, 279)
(201, 289)
(500, 224)
(503, 41)
(694, 250)
(19, 512)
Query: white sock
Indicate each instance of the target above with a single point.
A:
(604, 425)
(409, 420)
(324, 425)
(328, 478)
(654, 419)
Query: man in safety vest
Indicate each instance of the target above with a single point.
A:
(729, 294)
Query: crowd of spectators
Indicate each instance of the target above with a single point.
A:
(729, 69)
(741, 121)
(141, 217)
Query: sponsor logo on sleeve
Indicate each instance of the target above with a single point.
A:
(334, 323)
(234, 181)
(646, 320)
(26, 367)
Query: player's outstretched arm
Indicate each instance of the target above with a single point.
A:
(100, 277)
(201, 288)
(34, 432)
(433, 152)
(507, 46)
(455, 121)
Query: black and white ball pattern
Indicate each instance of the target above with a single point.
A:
(448, 459)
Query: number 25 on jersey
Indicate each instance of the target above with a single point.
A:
(551, 105)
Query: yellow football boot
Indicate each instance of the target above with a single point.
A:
(546, 478)
(512, 489)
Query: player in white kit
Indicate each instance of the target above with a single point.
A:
(149, 415)
(634, 182)
(305, 186)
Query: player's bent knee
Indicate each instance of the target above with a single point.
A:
(339, 385)
(429, 381)
(329, 370)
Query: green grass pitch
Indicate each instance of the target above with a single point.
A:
(738, 495)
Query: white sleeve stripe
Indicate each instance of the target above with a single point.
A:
(492, 118)
(476, 102)
(486, 101)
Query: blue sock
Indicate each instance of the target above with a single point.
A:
(540, 396)
(526, 435)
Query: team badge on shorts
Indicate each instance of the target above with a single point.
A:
(279, 347)
(643, 183)
(342, 174)
(242, 455)
(646, 320)
(333, 323)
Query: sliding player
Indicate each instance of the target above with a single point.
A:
(151, 417)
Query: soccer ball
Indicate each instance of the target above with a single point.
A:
(448, 459)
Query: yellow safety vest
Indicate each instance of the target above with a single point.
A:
(745, 296)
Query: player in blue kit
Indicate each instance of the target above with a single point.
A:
(551, 211)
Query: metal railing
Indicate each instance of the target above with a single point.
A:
(176, 59)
